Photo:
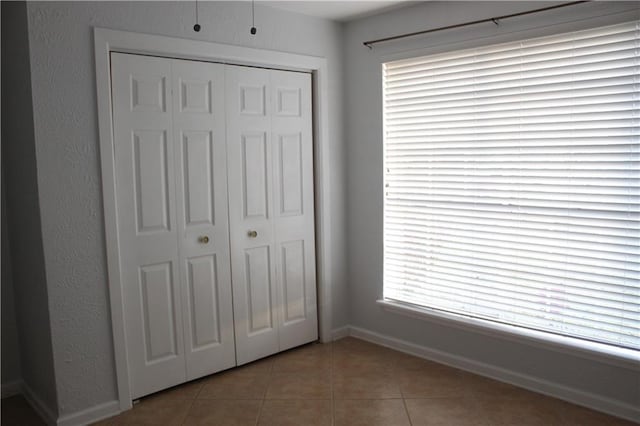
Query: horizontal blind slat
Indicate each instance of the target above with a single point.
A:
(592, 292)
(447, 291)
(615, 288)
(489, 292)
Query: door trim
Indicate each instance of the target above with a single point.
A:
(107, 41)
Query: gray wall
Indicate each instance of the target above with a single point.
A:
(23, 211)
(364, 175)
(10, 347)
(67, 150)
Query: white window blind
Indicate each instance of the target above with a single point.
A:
(512, 183)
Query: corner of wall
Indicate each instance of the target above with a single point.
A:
(23, 214)
(11, 369)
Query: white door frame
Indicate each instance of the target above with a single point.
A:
(107, 41)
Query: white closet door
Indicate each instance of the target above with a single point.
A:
(271, 210)
(293, 216)
(149, 258)
(250, 213)
(172, 216)
(202, 220)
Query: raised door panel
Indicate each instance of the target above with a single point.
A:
(146, 199)
(148, 92)
(204, 301)
(195, 94)
(252, 99)
(288, 101)
(250, 177)
(258, 278)
(202, 219)
(290, 156)
(293, 281)
(197, 157)
(158, 312)
(254, 175)
(150, 175)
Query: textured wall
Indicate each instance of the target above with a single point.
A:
(365, 193)
(23, 212)
(65, 123)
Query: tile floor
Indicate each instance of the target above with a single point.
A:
(351, 382)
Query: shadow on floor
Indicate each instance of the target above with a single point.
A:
(15, 410)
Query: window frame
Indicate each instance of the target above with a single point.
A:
(600, 352)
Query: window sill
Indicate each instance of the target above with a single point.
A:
(627, 358)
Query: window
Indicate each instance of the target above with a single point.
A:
(512, 183)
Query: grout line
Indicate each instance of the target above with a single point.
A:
(404, 402)
(260, 411)
(201, 387)
(402, 395)
(264, 394)
(184, 420)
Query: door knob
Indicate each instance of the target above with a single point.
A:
(252, 234)
(203, 239)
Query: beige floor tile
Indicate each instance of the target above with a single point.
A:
(259, 367)
(361, 363)
(445, 412)
(234, 385)
(307, 412)
(314, 358)
(480, 387)
(186, 391)
(573, 415)
(431, 383)
(351, 344)
(365, 386)
(299, 386)
(535, 411)
(111, 421)
(354, 346)
(223, 412)
(407, 364)
(370, 412)
(154, 411)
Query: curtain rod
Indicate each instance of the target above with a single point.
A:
(495, 20)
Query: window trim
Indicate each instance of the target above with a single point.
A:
(600, 352)
(532, 28)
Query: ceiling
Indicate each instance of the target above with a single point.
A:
(336, 10)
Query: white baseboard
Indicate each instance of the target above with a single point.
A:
(576, 396)
(91, 414)
(38, 405)
(339, 333)
(11, 388)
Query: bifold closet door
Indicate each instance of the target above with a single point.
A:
(170, 164)
(271, 214)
